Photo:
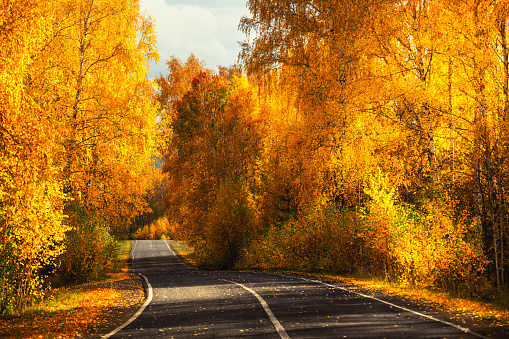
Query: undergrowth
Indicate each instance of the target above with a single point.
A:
(67, 311)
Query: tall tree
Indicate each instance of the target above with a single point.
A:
(76, 118)
(31, 200)
(101, 101)
(213, 147)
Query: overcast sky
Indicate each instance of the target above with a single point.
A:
(206, 28)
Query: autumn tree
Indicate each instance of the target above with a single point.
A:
(321, 50)
(76, 124)
(211, 164)
(102, 103)
(31, 199)
(383, 124)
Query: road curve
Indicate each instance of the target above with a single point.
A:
(186, 302)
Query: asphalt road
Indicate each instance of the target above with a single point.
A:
(185, 302)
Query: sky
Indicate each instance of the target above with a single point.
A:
(206, 28)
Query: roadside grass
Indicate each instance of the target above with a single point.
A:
(185, 251)
(497, 310)
(67, 311)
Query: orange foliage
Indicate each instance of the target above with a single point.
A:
(76, 118)
(67, 313)
(380, 89)
(212, 148)
(31, 199)
(159, 229)
(68, 321)
(380, 125)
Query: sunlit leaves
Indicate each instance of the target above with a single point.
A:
(212, 139)
(411, 92)
(76, 118)
(392, 112)
(31, 199)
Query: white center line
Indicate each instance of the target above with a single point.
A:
(279, 328)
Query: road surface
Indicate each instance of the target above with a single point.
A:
(185, 302)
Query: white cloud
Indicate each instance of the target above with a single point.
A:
(210, 33)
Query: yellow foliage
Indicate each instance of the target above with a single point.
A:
(379, 125)
(159, 229)
(76, 119)
(424, 247)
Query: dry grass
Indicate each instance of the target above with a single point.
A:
(184, 251)
(479, 309)
(68, 311)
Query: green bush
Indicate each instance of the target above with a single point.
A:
(90, 248)
(228, 227)
(321, 239)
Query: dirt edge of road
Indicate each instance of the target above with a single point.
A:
(132, 293)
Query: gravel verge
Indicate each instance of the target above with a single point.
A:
(131, 296)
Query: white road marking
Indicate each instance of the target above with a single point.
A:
(166, 242)
(142, 308)
(464, 329)
(183, 262)
(279, 328)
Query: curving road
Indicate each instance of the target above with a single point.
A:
(185, 302)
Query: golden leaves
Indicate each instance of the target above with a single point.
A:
(76, 118)
(69, 313)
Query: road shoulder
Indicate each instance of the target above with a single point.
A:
(486, 327)
(131, 294)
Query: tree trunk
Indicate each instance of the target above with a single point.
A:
(451, 128)
(71, 142)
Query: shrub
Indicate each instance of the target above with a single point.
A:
(158, 229)
(90, 248)
(31, 231)
(421, 245)
(321, 239)
(228, 227)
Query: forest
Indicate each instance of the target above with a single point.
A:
(356, 137)
(77, 122)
